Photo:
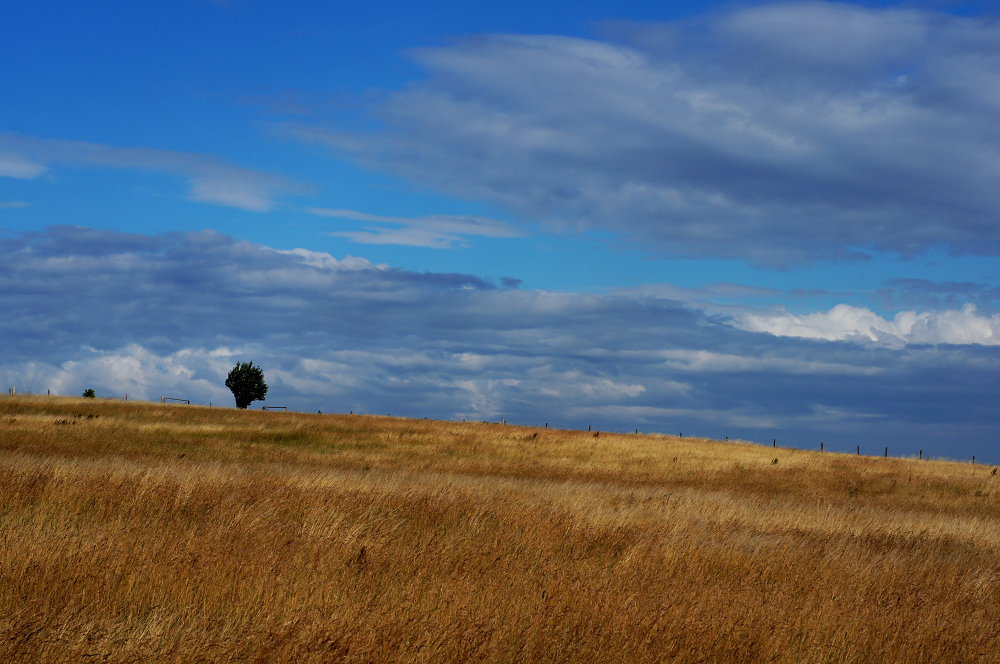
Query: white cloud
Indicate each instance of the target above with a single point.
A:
(850, 323)
(323, 260)
(778, 134)
(811, 32)
(11, 205)
(195, 374)
(210, 179)
(16, 166)
(439, 231)
(707, 361)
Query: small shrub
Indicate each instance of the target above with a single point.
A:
(90, 394)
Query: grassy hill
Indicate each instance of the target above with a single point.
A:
(140, 532)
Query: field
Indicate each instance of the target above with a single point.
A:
(134, 532)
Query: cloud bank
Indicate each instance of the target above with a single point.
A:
(169, 315)
(779, 134)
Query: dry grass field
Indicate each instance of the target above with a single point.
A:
(139, 532)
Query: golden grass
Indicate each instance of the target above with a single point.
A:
(140, 532)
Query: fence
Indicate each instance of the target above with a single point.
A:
(284, 408)
(166, 399)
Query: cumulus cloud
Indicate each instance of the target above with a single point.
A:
(210, 180)
(134, 371)
(168, 315)
(780, 133)
(439, 231)
(851, 323)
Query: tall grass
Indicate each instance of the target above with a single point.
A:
(139, 532)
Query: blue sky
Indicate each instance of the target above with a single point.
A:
(757, 220)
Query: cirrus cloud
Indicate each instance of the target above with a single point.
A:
(439, 231)
(210, 180)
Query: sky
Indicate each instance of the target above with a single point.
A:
(758, 220)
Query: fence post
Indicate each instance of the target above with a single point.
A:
(821, 447)
(921, 454)
(859, 450)
(163, 400)
(887, 453)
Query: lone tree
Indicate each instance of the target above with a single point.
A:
(90, 394)
(247, 383)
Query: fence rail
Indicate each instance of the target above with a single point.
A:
(284, 408)
(166, 399)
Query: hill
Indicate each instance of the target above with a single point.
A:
(141, 532)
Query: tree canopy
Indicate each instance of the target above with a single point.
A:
(247, 383)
